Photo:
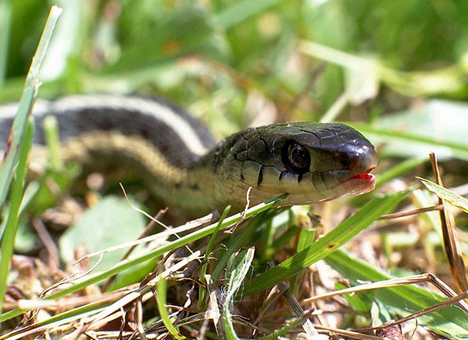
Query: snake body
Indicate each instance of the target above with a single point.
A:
(184, 167)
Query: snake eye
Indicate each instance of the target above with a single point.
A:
(296, 158)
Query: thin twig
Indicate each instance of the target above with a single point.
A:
(412, 212)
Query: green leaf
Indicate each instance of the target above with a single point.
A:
(110, 222)
(403, 300)
(359, 302)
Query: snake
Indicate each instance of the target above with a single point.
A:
(184, 167)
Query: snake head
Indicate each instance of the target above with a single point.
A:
(310, 162)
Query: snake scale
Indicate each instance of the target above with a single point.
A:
(184, 167)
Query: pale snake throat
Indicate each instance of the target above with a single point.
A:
(183, 166)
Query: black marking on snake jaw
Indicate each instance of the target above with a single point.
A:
(281, 175)
(321, 177)
(260, 176)
(299, 178)
(267, 145)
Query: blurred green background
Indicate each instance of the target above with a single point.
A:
(232, 62)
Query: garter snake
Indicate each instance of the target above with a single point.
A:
(183, 166)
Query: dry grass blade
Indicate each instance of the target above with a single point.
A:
(64, 303)
(94, 320)
(452, 248)
(189, 226)
(298, 311)
(345, 333)
(439, 284)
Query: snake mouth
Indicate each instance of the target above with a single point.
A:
(362, 183)
(366, 176)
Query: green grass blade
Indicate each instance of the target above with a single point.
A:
(238, 267)
(8, 240)
(161, 290)
(326, 245)
(209, 249)
(27, 100)
(306, 238)
(5, 20)
(241, 240)
(454, 199)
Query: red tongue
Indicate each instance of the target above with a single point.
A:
(365, 175)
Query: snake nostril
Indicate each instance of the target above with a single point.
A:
(347, 160)
(357, 158)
